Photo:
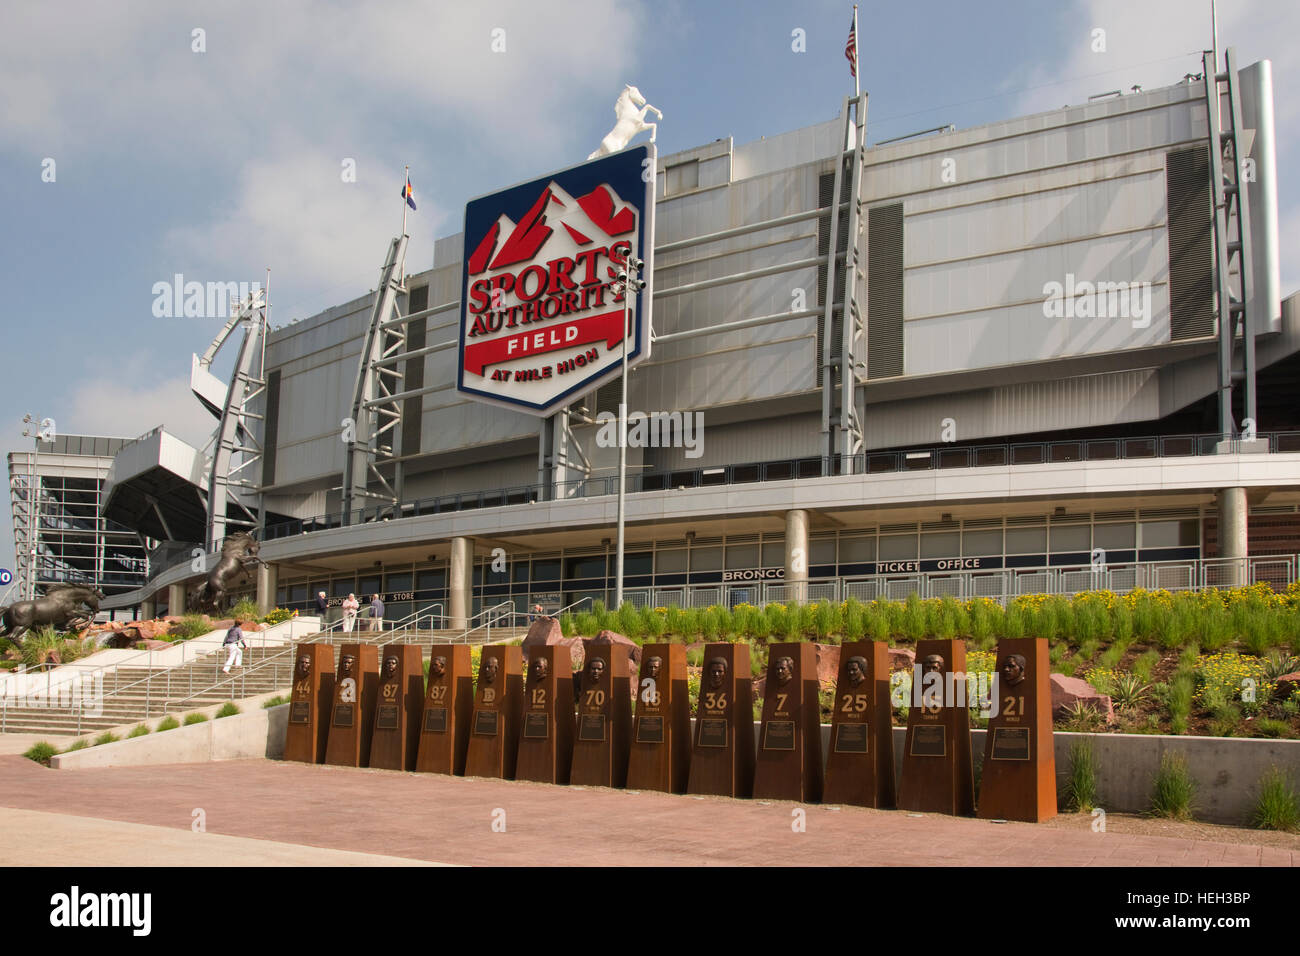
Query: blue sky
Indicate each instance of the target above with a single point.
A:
(220, 163)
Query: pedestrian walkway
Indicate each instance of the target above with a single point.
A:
(36, 838)
(451, 820)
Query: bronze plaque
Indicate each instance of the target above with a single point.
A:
(300, 712)
(435, 720)
(713, 731)
(386, 718)
(779, 735)
(485, 722)
(650, 730)
(592, 727)
(929, 740)
(851, 738)
(537, 725)
(342, 715)
(1010, 743)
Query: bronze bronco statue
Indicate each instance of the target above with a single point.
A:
(63, 607)
(238, 558)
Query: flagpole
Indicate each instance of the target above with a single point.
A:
(406, 178)
(857, 61)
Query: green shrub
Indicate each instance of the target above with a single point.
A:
(1179, 701)
(1081, 787)
(1080, 718)
(139, 730)
(246, 609)
(107, 737)
(189, 627)
(1173, 790)
(228, 709)
(167, 723)
(1278, 664)
(1145, 664)
(694, 657)
(277, 616)
(279, 699)
(826, 620)
(81, 744)
(194, 718)
(41, 753)
(1112, 655)
(567, 626)
(914, 618)
(1269, 727)
(855, 620)
(1277, 805)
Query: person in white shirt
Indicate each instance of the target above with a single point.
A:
(350, 608)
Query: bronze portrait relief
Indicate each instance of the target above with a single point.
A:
(1013, 669)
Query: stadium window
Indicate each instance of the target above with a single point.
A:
(682, 178)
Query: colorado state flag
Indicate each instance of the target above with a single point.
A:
(408, 193)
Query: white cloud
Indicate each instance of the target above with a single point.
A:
(261, 121)
(131, 402)
(293, 212)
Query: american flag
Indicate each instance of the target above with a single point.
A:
(851, 48)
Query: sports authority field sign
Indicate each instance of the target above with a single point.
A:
(539, 324)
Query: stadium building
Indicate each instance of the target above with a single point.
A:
(60, 534)
(1045, 354)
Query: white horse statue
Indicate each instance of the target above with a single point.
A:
(630, 108)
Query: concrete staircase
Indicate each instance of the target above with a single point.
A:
(133, 694)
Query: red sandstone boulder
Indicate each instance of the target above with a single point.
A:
(1288, 684)
(613, 637)
(151, 630)
(902, 658)
(828, 663)
(1067, 690)
(543, 631)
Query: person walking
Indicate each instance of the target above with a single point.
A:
(376, 613)
(350, 608)
(235, 641)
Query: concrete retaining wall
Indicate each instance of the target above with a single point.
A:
(259, 733)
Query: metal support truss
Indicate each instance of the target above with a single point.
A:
(842, 432)
(561, 462)
(1228, 148)
(235, 439)
(372, 469)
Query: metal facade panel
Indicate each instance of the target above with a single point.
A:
(1017, 409)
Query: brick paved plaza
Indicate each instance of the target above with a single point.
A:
(265, 812)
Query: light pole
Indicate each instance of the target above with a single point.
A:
(38, 431)
(629, 284)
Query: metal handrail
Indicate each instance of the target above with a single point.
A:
(244, 672)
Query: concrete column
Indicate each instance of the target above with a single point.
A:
(176, 599)
(796, 555)
(267, 581)
(148, 609)
(460, 582)
(1233, 541)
